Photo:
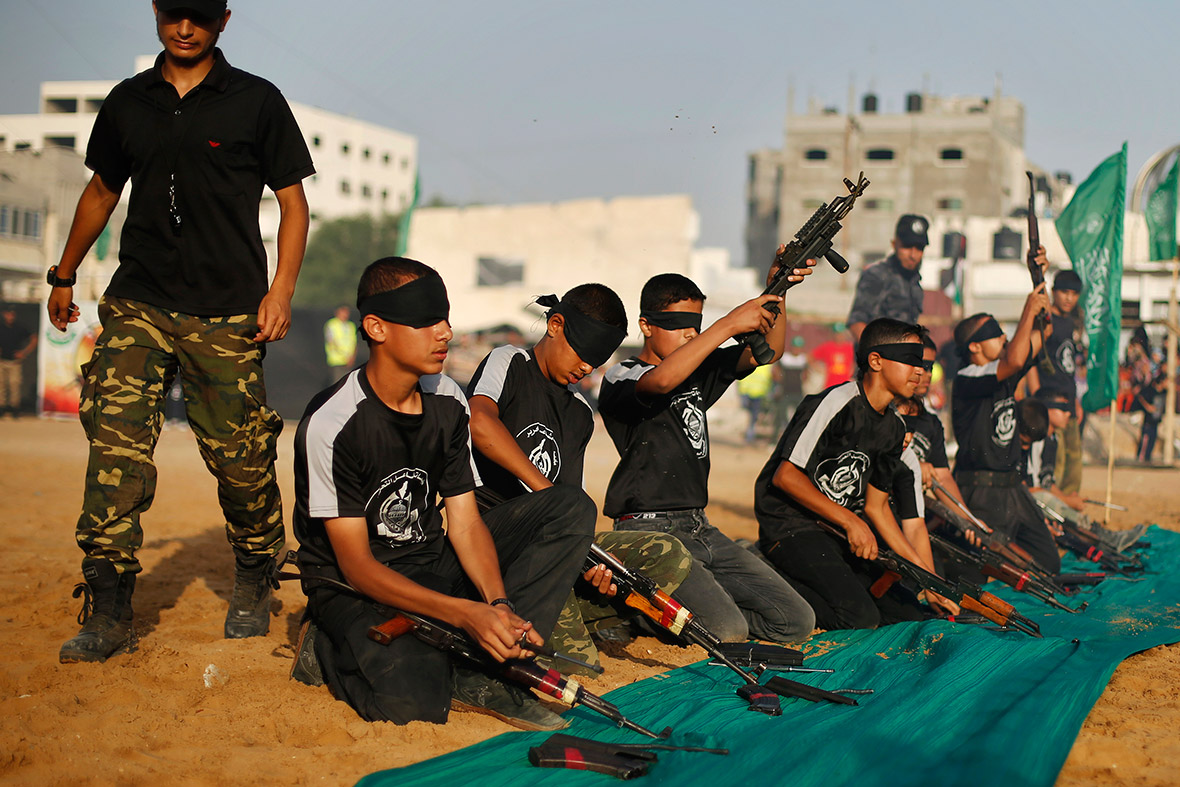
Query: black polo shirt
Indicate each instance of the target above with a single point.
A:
(224, 140)
(929, 441)
(983, 416)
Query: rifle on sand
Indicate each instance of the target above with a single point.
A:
(812, 241)
(641, 593)
(525, 672)
(967, 595)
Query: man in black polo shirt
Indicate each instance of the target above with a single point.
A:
(198, 140)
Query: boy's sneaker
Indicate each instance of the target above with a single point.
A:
(306, 668)
(478, 693)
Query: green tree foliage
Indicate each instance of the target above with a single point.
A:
(337, 253)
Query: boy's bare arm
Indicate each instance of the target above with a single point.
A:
(1025, 341)
(878, 511)
(492, 439)
(795, 483)
(681, 363)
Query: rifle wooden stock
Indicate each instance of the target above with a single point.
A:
(384, 633)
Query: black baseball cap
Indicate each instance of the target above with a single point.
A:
(1067, 280)
(211, 9)
(911, 231)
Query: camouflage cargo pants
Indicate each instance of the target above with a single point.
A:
(122, 409)
(657, 555)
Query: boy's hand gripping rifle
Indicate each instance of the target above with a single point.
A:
(641, 593)
(525, 672)
(812, 241)
(965, 594)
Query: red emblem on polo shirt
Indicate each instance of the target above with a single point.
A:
(213, 144)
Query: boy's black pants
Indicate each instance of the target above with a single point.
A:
(541, 540)
(836, 582)
(1005, 506)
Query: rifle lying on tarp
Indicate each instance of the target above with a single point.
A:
(640, 592)
(525, 672)
(621, 760)
(992, 565)
(812, 241)
(1087, 545)
(967, 595)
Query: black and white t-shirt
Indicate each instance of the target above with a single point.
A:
(909, 501)
(1061, 352)
(929, 443)
(551, 423)
(842, 444)
(983, 415)
(1039, 460)
(663, 443)
(356, 457)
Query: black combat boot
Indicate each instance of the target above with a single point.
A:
(105, 617)
(249, 607)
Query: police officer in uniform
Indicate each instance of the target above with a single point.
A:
(893, 287)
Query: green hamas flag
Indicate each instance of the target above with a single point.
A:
(1161, 216)
(403, 225)
(1091, 228)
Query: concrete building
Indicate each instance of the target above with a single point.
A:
(38, 192)
(497, 258)
(948, 158)
(361, 167)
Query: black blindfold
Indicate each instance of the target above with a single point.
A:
(989, 330)
(673, 321)
(909, 353)
(420, 303)
(593, 340)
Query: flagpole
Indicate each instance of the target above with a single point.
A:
(1170, 399)
(1110, 464)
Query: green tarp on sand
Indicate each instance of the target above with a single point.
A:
(953, 704)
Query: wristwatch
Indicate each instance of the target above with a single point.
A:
(53, 281)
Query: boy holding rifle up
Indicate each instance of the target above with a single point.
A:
(373, 454)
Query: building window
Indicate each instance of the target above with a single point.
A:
(498, 272)
(20, 222)
(405, 162)
(366, 191)
(815, 154)
(879, 154)
(385, 159)
(951, 154)
(950, 203)
(3, 219)
(22, 145)
(60, 142)
(1007, 244)
(366, 153)
(344, 148)
(384, 194)
(954, 244)
(315, 141)
(345, 187)
(94, 104)
(61, 106)
(879, 204)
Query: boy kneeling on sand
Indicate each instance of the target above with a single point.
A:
(373, 454)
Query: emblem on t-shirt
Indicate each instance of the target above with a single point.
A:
(540, 446)
(402, 501)
(842, 478)
(1065, 355)
(687, 408)
(1004, 419)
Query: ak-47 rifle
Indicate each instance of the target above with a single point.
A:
(621, 760)
(812, 241)
(1089, 546)
(641, 593)
(992, 540)
(525, 672)
(968, 596)
(1034, 246)
(992, 565)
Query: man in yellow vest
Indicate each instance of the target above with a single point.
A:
(340, 344)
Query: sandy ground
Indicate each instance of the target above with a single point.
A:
(150, 716)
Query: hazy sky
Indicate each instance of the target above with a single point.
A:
(527, 101)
